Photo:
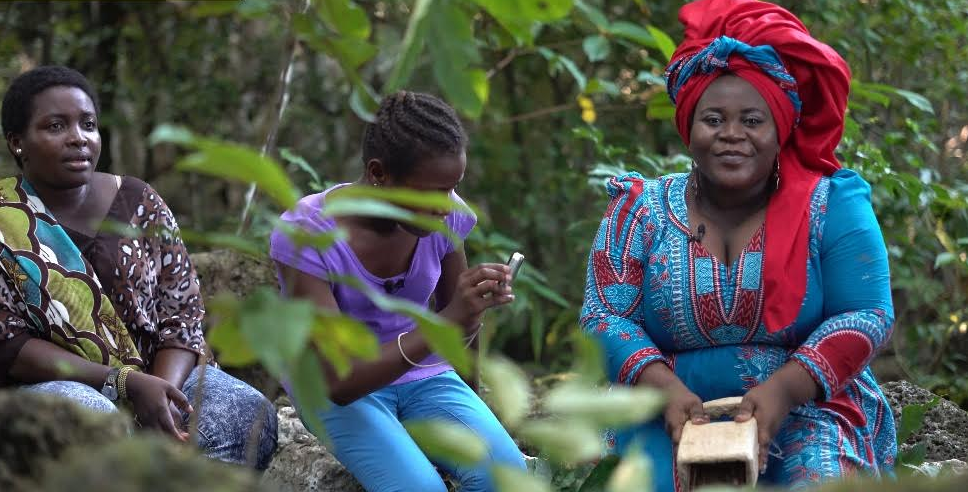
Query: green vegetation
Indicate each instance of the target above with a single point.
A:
(558, 95)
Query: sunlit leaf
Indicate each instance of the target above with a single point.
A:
(662, 40)
(444, 338)
(564, 441)
(916, 100)
(464, 85)
(533, 10)
(618, 406)
(426, 200)
(633, 474)
(412, 46)
(509, 394)
(451, 442)
(588, 358)
(230, 161)
(214, 8)
(511, 479)
(375, 208)
(225, 336)
(302, 238)
(341, 339)
(344, 17)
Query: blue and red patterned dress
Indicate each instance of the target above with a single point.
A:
(654, 296)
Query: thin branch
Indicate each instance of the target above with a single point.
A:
(285, 80)
(503, 63)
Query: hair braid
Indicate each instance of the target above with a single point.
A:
(409, 127)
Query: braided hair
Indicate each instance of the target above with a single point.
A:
(410, 127)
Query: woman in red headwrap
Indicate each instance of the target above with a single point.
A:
(763, 272)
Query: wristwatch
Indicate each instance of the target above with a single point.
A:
(110, 388)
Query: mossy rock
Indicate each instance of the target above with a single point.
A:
(39, 429)
(146, 463)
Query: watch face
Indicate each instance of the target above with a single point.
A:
(110, 392)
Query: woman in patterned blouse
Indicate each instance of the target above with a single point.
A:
(763, 272)
(93, 316)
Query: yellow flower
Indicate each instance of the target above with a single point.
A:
(588, 116)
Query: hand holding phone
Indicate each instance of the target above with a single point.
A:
(515, 262)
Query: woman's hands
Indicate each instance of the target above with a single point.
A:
(684, 406)
(478, 288)
(151, 398)
(771, 402)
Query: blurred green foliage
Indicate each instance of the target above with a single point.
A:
(558, 95)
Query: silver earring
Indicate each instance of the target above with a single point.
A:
(18, 151)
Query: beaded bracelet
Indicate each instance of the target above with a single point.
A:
(470, 340)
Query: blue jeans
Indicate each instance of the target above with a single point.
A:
(228, 411)
(367, 436)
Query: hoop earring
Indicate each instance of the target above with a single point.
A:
(776, 174)
(695, 181)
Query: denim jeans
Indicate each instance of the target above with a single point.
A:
(228, 410)
(368, 438)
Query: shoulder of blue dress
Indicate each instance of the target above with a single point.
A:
(636, 185)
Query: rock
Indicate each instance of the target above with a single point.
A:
(301, 463)
(38, 429)
(945, 431)
(942, 468)
(228, 271)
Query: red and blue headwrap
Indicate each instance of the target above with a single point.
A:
(805, 83)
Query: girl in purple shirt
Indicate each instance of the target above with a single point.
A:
(416, 142)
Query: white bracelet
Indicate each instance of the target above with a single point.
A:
(470, 340)
(412, 363)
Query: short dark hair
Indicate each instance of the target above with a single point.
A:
(19, 99)
(409, 127)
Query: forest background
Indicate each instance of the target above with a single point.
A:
(557, 95)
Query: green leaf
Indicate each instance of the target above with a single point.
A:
(916, 100)
(509, 394)
(276, 329)
(564, 441)
(298, 161)
(531, 10)
(598, 477)
(633, 474)
(364, 102)
(597, 85)
(660, 107)
(913, 456)
(341, 339)
(451, 442)
(589, 360)
(230, 161)
(214, 8)
(594, 15)
(518, 26)
(375, 208)
(511, 479)
(464, 86)
(308, 384)
(406, 197)
(618, 406)
(944, 258)
(596, 48)
(558, 62)
(662, 41)
(444, 338)
(224, 336)
(412, 46)
(222, 240)
(301, 238)
(633, 32)
(344, 17)
(912, 419)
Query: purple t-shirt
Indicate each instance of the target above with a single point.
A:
(417, 284)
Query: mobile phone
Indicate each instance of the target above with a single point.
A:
(515, 262)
